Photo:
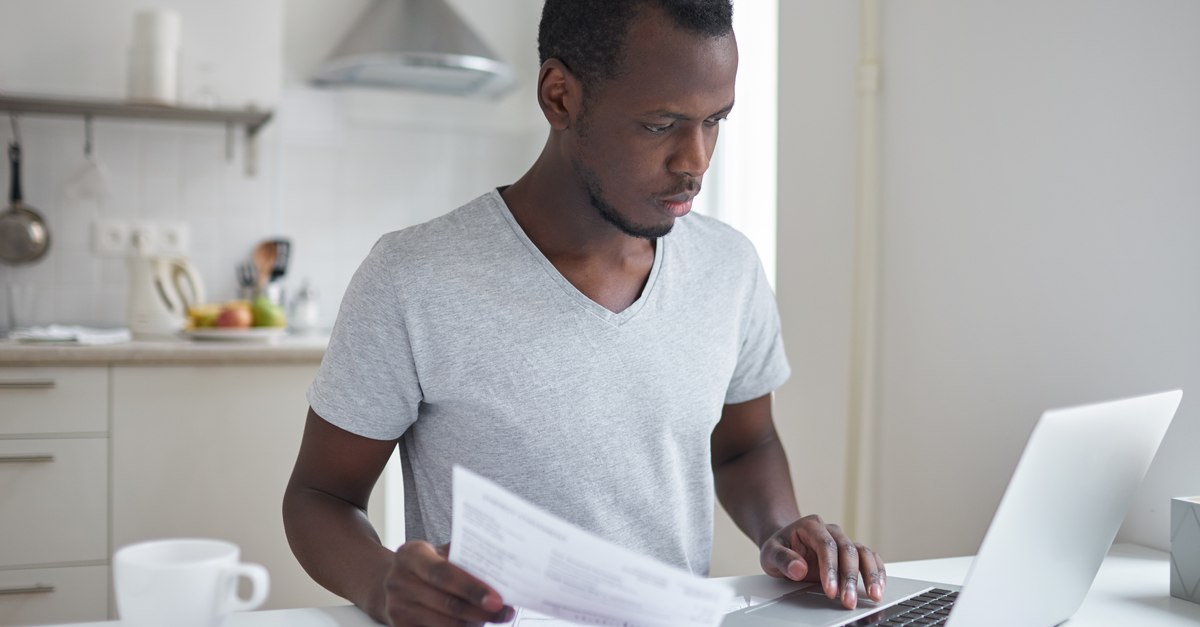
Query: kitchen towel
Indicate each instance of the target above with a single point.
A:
(71, 334)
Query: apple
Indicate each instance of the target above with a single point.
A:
(266, 313)
(234, 318)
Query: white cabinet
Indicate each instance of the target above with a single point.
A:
(96, 457)
(53, 495)
(53, 400)
(206, 451)
(65, 594)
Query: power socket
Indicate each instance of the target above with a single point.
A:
(109, 238)
(174, 239)
(143, 238)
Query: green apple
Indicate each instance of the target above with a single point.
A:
(267, 313)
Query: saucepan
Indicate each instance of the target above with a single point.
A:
(24, 237)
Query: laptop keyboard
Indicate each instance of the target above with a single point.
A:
(928, 609)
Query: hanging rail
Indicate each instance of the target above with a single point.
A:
(250, 118)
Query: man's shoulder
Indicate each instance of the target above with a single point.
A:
(469, 230)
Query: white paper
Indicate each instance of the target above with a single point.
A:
(542, 563)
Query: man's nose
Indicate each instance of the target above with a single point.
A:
(692, 153)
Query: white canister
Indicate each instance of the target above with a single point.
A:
(306, 310)
(154, 57)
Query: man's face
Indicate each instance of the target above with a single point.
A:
(646, 137)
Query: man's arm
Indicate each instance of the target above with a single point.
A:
(754, 485)
(325, 517)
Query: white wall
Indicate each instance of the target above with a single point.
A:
(161, 171)
(337, 168)
(77, 48)
(1040, 219)
(1040, 226)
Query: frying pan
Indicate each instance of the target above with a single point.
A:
(24, 237)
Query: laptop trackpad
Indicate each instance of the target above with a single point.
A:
(808, 606)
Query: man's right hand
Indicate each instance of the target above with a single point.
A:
(423, 588)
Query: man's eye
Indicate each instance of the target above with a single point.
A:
(713, 121)
(659, 129)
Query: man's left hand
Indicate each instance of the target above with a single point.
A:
(810, 550)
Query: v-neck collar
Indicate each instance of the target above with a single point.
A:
(596, 309)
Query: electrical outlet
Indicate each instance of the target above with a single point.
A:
(120, 238)
(174, 239)
(143, 239)
(110, 238)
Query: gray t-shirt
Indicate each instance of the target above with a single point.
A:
(460, 338)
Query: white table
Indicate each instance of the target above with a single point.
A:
(1130, 590)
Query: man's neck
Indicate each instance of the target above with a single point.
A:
(554, 209)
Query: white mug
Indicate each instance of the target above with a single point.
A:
(183, 583)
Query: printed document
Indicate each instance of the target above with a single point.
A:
(543, 564)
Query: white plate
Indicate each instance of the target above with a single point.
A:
(253, 334)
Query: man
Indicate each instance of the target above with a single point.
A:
(571, 338)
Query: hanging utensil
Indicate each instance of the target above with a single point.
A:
(283, 249)
(24, 237)
(91, 181)
(264, 261)
(246, 275)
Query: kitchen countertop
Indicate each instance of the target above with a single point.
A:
(291, 349)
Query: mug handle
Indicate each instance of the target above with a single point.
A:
(262, 586)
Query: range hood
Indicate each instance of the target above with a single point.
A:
(420, 45)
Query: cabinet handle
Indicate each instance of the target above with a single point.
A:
(37, 588)
(28, 384)
(31, 457)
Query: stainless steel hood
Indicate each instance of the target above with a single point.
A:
(420, 45)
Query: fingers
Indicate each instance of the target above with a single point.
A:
(811, 550)
(456, 607)
(438, 572)
(846, 567)
(780, 561)
(426, 589)
(873, 573)
(823, 543)
(428, 618)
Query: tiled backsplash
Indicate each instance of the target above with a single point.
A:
(332, 193)
(336, 198)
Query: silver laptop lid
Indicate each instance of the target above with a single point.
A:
(1061, 510)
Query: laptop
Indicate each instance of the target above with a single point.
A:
(1072, 487)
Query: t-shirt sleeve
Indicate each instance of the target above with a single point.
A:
(367, 383)
(762, 365)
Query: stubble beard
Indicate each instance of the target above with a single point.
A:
(610, 214)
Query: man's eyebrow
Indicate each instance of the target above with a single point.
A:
(675, 115)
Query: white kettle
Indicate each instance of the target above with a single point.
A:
(160, 291)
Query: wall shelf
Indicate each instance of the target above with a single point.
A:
(251, 119)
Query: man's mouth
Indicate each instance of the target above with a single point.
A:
(678, 205)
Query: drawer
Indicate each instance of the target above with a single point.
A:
(41, 596)
(53, 501)
(53, 400)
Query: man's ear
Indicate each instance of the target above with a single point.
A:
(560, 94)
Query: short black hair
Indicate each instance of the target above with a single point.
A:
(588, 36)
